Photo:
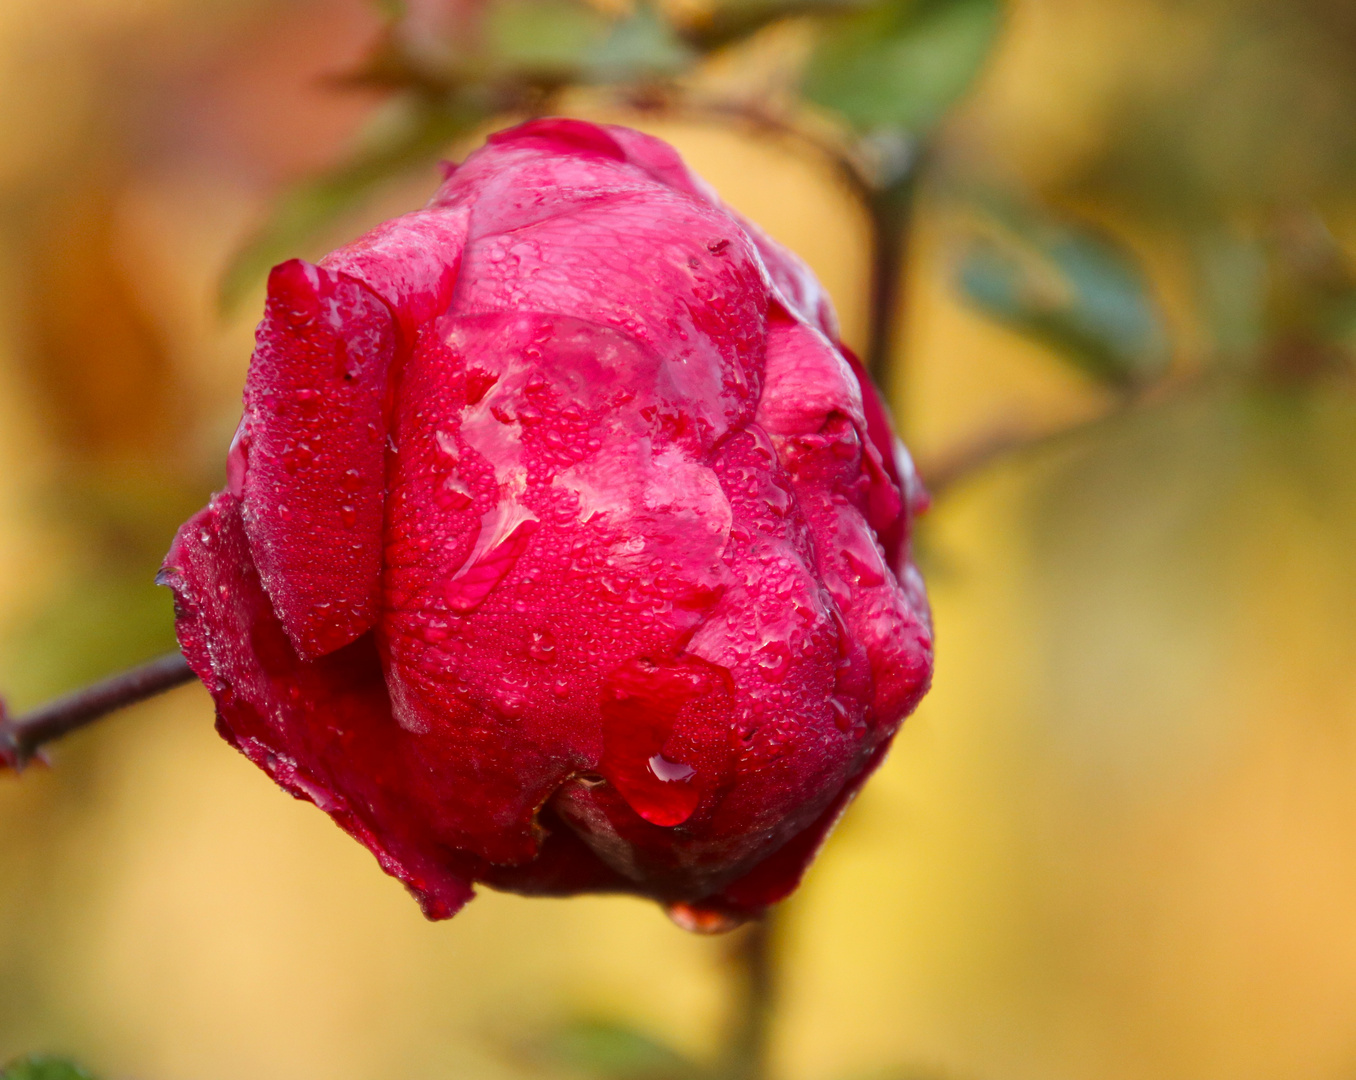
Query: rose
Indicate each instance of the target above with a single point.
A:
(564, 548)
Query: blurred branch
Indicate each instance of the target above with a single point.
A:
(891, 213)
(990, 449)
(753, 958)
(728, 23)
(1002, 444)
(23, 737)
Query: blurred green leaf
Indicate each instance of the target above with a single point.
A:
(899, 65)
(1074, 290)
(544, 39)
(555, 42)
(39, 1067)
(411, 138)
(613, 1051)
(641, 45)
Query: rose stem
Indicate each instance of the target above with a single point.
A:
(23, 736)
(753, 962)
(890, 209)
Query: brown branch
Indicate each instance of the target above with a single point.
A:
(990, 448)
(22, 737)
(1006, 443)
(891, 211)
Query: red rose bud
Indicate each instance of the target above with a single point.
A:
(565, 548)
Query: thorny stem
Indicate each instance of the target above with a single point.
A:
(22, 737)
(753, 963)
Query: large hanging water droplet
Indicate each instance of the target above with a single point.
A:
(642, 702)
(697, 919)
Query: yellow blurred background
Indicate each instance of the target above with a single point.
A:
(1118, 840)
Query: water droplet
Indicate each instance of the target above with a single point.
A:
(773, 660)
(503, 538)
(864, 570)
(510, 702)
(641, 703)
(238, 460)
(670, 771)
(541, 645)
(703, 920)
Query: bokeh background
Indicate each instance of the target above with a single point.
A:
(1118, 840)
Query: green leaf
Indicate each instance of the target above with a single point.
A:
(555, 42)
(644, 45)
(40, 1067)
(898, 65)
(544, 40)
(613, 1051)
(1075, 291)
(399, 143)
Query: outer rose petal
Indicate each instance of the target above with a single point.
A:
(412, 263)
(321, 728)
(308, 459)
(812, 409)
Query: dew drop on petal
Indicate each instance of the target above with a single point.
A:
(670, 771)
(541, 645)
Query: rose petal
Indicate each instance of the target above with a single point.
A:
(321, 728)
(313, 443)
